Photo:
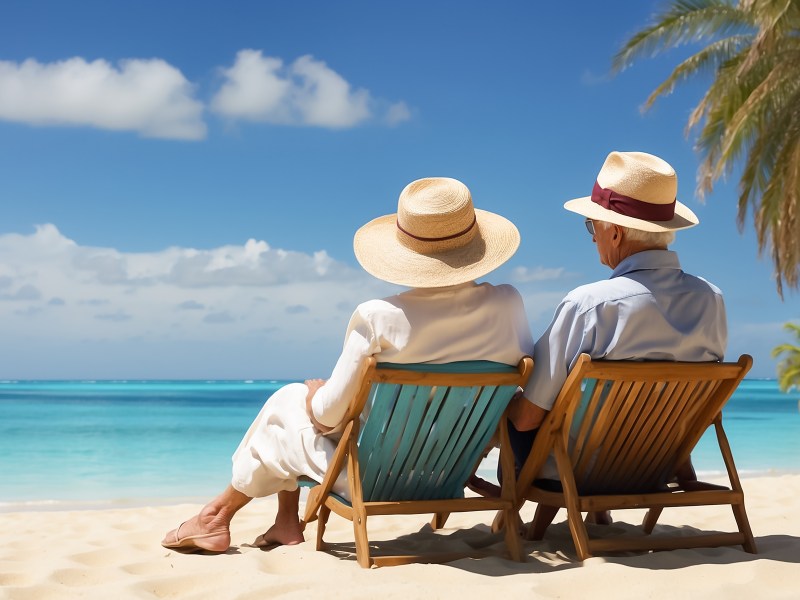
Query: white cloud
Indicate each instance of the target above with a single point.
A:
(190, 305)
(526, 275)
(590, 79)
(95, 312)
(397, 113)
(306, 92)
(154, 99)
(25, 292)
(149, 97)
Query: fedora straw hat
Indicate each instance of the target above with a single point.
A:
(636, 190)
(437, 237)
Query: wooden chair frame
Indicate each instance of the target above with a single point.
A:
(619, 431)
(412, 390)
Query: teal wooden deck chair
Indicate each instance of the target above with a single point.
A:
(426, 430)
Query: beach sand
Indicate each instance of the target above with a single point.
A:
(115, 554)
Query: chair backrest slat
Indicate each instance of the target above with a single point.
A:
(474, 438)
(385, 451)
(635, 421)
(461, 402)
(425, 430)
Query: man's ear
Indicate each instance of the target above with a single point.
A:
(616, 236)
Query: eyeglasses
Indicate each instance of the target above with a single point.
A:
(589, 226)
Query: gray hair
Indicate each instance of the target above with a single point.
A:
(648, 238)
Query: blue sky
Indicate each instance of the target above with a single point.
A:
(180, 181)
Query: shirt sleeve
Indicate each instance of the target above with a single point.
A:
(556, 351)
(376, 326)
(331, 401)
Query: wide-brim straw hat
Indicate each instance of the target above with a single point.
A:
(437, 237)
(636, 190)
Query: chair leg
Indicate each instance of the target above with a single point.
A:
(738, 509)
(542, 518)
(439, 519)
(322, 520)
(513, 542)
(744, 527)
(499, 521)
(362, 543)
(312, 504)
(650, 519)
(579, 533)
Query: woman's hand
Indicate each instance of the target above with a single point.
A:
(313, 385)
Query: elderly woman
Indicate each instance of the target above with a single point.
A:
(437, 244)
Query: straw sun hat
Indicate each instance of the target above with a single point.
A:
(636, 190)
(437, 237)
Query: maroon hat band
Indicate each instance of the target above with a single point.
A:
(631, 207)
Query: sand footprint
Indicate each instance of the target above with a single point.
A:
(102, 558)
(38, 592)
(148, 568)
(15, 579)
(209, 585)
(85, 577)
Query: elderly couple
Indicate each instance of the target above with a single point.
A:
(438, 244)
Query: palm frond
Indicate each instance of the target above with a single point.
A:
(710, 58)
(750, 112)
(685, 21)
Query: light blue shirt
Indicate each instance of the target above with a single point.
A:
(649, 310)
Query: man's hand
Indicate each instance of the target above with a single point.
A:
(524, 414)
(313, 385)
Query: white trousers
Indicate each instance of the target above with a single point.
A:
(282, 445)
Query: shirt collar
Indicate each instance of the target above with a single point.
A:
(648, 259)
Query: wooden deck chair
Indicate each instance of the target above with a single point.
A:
(426, 429)
(619, 431)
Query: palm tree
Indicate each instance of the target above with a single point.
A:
(789, 368)
(750, 112)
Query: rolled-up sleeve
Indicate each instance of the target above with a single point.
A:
(376, 326)
(331, 401)
(556, 351)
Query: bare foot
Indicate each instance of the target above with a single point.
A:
(201, 532)
(280, 535)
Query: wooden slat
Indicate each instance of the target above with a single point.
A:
(461, 402)
(659, 429)
(418, 507)
(600, 451)
(617, 437)
(434, 379)
(620, 544)
(686, 411)
(587, 418)
(630, 501)
(402, 463)
(435, 441)
(375, 456)
(459, 467)
(661, 370)
(406, 483)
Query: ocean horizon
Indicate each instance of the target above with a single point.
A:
(133, 442)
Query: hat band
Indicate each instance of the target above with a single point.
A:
(439, 239)
(631, 207)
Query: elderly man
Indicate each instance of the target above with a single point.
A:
(648, 309)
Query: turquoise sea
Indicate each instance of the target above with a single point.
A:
(88, 444)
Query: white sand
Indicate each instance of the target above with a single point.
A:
(115, 554)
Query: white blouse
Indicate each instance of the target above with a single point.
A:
(435, 325)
